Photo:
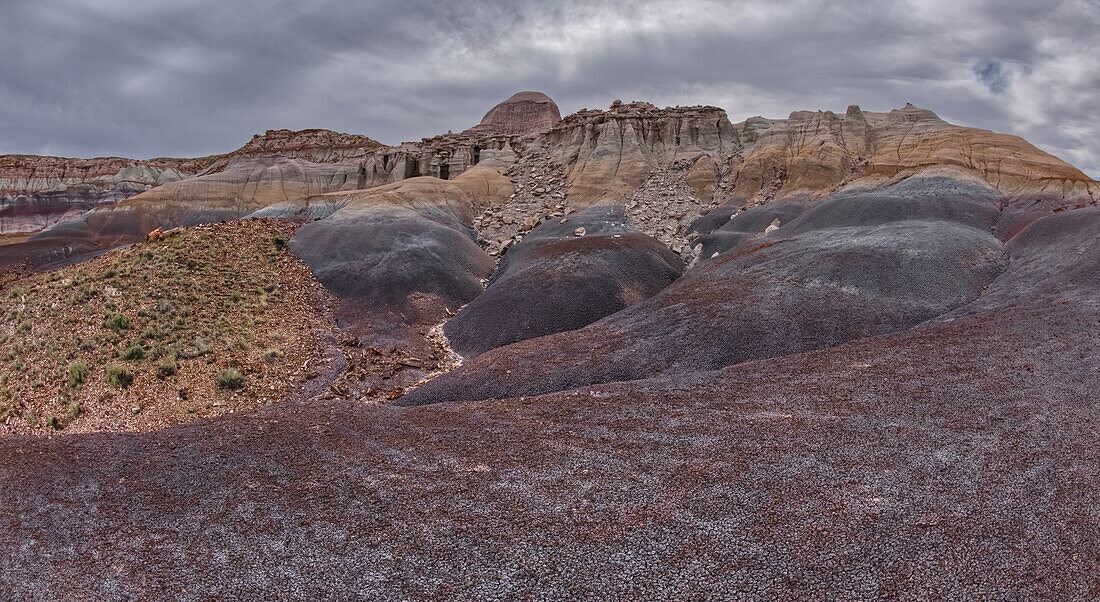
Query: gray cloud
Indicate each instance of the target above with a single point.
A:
(135, 78)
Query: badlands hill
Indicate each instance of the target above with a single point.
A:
(638, 352)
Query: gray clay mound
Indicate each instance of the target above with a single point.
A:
(555, 281)
(742, 227)
(795, 290)
(889, 206)
(373, 262)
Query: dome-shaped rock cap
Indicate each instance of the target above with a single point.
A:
(522, 114)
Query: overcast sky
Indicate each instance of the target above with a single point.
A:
(195, 77)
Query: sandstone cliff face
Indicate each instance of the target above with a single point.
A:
(319, 146)
(284, 166)
(812, 154)
(245, 186)
(37, 192)
(608, 154)
(670, 166)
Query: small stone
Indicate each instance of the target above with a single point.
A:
(563, 220)
(579, 231)
(508, 220)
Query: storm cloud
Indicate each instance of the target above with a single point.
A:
(189, 78)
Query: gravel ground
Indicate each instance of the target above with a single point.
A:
(959, 460)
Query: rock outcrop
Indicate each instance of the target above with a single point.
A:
(608, 154)
(524, 114)
(38, 192)
(813, 154)
(318, 146)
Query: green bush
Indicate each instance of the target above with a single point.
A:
(230, 378)
(202, 347)
(78, 373)
(72, 412)
(117, 323)
(119, 377)
(167, 367)
(235, 296)
(133, 353)
(273, 354)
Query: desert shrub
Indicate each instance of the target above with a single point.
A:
(118, 377)
(78, 373)
(18, 291)
(133, 353)
(236, 296)
(230, 378)
(167, 367)
(202, 347)
(273, 354)
(72, 412)
(117, 323)
(278, 242)
(86, 293)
